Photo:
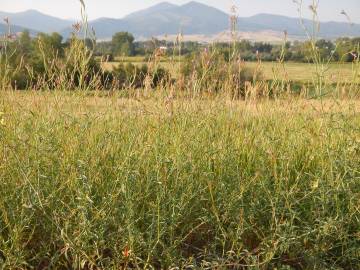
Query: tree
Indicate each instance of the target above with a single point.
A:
(347, 49)
(123, 44)
(90, 44)
(50, 45)
(326, 49)
(25, 44)
(243, 46)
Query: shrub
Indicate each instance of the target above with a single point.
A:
(213, 73)
(129, 75)
(132, 76)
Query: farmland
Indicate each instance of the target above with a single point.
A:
(304, 72)
(128, 154)
(107, 182)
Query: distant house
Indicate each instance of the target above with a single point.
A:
(354, 55)
(163, 48)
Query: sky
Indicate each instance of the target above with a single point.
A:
(329, 10)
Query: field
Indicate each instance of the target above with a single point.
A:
(101, 182)
(301, 72)
(207, 163)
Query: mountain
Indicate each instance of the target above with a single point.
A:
(156, 8)
(195, 18)
(165, 18)
(14, 29)
(294, 27)
(192, 18)
(32, 19)
(104, 28)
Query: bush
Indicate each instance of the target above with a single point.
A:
(213, 73)
(132, 76)
(45, 63)
(129, 75)
(160, 76)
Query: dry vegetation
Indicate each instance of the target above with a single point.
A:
(106, 182)
(223, 167)
(303, 72)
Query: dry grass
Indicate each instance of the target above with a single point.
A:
(302, 72)
(96, 182)
(251, 175)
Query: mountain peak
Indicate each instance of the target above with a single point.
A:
(199, 9)
(163, 5)
(195, 4)
(32, 11)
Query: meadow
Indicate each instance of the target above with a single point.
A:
(94, 181)
(294, 71)
(205, 163)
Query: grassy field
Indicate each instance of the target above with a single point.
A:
(336, 72)
(91, 182)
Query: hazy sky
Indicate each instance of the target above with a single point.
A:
(328, 10)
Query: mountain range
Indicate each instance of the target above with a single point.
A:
(32, 19)
(165, 18)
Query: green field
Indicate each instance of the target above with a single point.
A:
(97, 182)
(206, 164)
(335, 72)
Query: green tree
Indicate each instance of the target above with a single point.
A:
(25, 44)
(326, 49)
(50, 45)
(123, 44)
(90, 44)
(347, 48)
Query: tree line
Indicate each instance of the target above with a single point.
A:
(341, 49)
(49, 61)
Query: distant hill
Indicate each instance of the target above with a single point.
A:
(195, 18)
(32, 19)
(14, 29)
(293, 26)
(192, 18)
(164, 18)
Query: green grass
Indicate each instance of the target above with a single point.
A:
(110, 183)
(337, 72)
(300, 72)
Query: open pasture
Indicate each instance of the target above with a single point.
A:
(94, 182)
(300, 72)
